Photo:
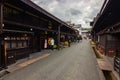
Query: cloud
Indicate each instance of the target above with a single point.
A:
(78, 11)
(74, 12)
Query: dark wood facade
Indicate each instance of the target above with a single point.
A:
(106, 30)
(24, 26)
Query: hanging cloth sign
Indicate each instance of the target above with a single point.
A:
(45, 44)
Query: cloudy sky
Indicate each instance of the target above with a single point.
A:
(78, 11)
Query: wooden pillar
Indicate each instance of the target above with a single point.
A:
(1, 17)
(59, 36)
(38, 42)
(0, 51)
(105, 44)
(3, 56)
(95, 37)
(0, 35)
(1, 22)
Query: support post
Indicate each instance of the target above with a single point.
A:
(59, 37)
(105, 44)
(94, 36)
(0, 52)
(2, 43)
(1, 22)
(0, 34)
(1, 17)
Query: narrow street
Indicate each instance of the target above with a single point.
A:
(77, 62)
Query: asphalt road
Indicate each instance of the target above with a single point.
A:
(77, 62)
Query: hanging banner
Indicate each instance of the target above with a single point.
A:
(45, 44)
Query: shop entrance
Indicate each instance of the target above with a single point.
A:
(16, 45)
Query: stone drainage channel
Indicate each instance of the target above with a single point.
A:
(106, 71)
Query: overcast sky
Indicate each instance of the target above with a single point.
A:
(78, 11)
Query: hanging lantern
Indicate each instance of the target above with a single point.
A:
(49, 25)
(45, 32)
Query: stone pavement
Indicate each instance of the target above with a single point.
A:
(77, 62)
(27, 61)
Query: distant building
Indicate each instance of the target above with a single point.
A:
(78, 27)
(86, 32)
(70, 23)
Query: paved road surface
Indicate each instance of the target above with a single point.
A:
(75, 63)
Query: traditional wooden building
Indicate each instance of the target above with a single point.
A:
(106, 31)
(24, 26)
